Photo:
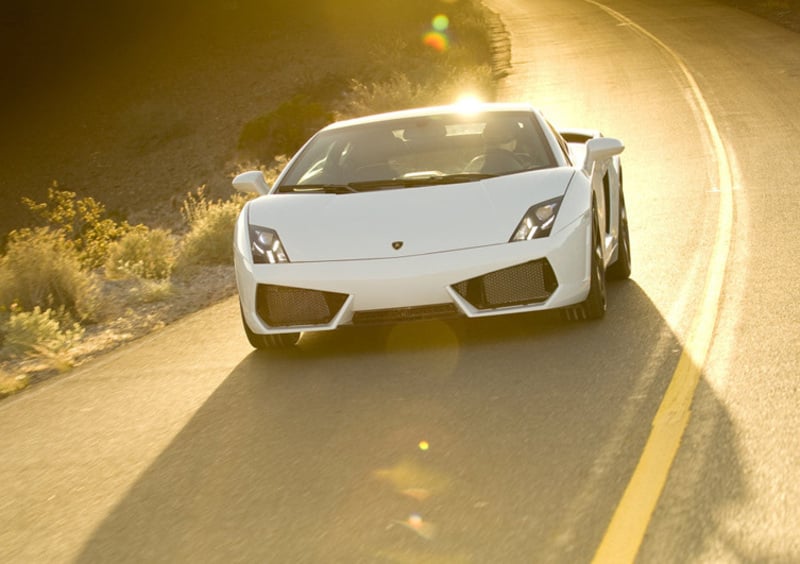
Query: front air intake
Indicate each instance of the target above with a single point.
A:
(528, 283)
(284, 306)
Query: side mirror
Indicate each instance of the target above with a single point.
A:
(601, 149)
(251, 182)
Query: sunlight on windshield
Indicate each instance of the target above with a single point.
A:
(436, 146)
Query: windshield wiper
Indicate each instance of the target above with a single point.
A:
(413, 181)
(317, 188)
(366, 185)
(461, 177)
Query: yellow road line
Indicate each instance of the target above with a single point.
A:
(627, 528)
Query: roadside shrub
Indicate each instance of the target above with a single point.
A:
(39, 333)
(143, 253)
(84, 222)
(399, 91)
(10, 385)
(150, 291)
(477, 81)
(195, 205)
(210, 237)
(42, 269)
(395, 93)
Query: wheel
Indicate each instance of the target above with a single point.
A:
(594, 307)
(282, 340)
(262, 342)
(621, 269)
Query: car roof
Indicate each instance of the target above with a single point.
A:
(478, 108)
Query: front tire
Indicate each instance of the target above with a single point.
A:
(594, 306)
(621, 269)
(264, 342)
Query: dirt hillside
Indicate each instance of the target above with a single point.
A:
(136, 103)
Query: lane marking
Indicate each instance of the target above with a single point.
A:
(625, 532)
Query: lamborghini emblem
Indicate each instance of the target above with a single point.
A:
(397, 245)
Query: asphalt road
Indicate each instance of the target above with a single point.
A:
(503, 440)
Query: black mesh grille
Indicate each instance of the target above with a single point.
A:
(405, 314)
(281, 306)
(528, 283)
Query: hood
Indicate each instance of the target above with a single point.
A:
(422, 220)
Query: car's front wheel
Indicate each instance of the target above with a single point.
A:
(621, 269)
(262, 342)
(594, 306)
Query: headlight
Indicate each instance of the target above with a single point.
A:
(537, 221)
(266, 246)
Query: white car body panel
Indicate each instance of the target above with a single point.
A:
(363, 226)
(423, 279)
(410, 247)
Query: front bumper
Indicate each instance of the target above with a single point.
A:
(494, 280)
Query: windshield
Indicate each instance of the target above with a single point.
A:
(421, 151)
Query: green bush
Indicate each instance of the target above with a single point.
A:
(210, 237)
(142, 252)
(37, 332)
(84, 222)
(42, 269)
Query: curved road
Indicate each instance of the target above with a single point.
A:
(504, 440)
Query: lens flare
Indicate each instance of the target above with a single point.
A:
(436, 40)
(423, 528)
(441, 22)
(418, 494)
(424, 445)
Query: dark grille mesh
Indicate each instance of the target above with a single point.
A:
(528, 283)
(281, 306)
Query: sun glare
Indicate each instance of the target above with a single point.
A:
(468, 102)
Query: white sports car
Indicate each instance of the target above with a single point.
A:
(431, 213)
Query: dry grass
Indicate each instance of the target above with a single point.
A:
(142, 253)
(132, 308)
(10, 385)
(41, 268)
(132, 299)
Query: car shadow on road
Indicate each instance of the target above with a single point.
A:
(501, 440)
